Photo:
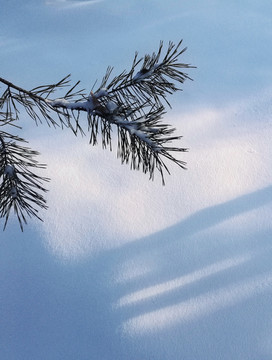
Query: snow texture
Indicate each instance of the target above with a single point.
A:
(125, 269)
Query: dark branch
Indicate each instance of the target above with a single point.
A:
(20, 187)
(133, 102)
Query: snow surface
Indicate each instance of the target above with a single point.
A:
(123, 268)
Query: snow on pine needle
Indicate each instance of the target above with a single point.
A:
(132, 102)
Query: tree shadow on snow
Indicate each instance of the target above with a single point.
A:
(191, 291)
(194, 277)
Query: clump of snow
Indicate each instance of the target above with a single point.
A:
(87, 105)
(144, 74)
(13, 192)
(9, 170)
(111, 106)
(101, 93)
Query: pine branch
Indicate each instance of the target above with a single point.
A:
(20, 188)
(133, 102)
(35, 103)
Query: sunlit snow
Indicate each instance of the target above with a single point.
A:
(122, 267)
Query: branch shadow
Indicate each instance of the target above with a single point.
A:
(207, 217)
(182, 238)
(51, 310)
(198, 276)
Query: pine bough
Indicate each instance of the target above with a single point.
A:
(133, 102)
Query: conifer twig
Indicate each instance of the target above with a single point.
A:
(133, 102)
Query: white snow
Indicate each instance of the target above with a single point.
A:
(102, 92)
(111, 106)
(166, 272)
(200, 306)
(72, 4)
(177, 283)
(125, 269)
(142, 76)
(87, 105)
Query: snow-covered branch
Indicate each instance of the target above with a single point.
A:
(21, 189)
(133, 102)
